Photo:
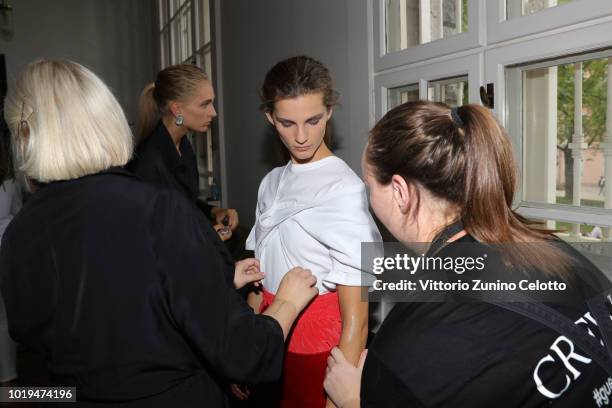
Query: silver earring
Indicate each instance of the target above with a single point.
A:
(179, 120)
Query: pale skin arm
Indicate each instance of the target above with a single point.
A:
(354, 314)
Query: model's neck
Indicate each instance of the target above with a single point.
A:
(176, 132)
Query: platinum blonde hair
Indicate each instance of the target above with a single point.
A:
(65, 123)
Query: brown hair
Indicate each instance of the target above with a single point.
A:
(463, 156)
(297, 76)
(173, 83)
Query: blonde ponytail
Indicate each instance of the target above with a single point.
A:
(148, 113)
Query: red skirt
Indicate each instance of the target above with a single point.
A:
(315, 333)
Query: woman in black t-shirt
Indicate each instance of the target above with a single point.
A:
(434, 171)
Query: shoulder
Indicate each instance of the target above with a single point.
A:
(271, 180)
(273, 176)
(148, 161)
(336, 179)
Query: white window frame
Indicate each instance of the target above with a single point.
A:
(578, 27)
(458, 42)
(558, 17)
(555, 45)
(422, 74)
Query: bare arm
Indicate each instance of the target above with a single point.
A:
(354, 313)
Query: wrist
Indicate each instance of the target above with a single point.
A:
(352, 403)
(289, 306)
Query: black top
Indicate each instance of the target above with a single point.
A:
(469, 354)
(157, 161)
(127, 291)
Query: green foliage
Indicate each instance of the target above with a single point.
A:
(594, 100)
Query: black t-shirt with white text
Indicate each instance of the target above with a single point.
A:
(476, 354)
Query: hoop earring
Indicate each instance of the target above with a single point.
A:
(179, 120)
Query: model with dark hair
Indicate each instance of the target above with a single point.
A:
(312, 212)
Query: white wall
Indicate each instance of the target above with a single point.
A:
(114, 38)
(257, 34)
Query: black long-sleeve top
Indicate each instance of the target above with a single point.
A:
(127, 291)
(157, 161)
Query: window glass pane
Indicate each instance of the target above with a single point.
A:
(175, 41)
(186, 40)
(402, 94)
(204, 23)
(165, 52)
(574, 232)
(163, 12)
(175, 5)
(564, 110)
(519, 8)
(451, 91)
(413, 22)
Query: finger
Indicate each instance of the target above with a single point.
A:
(330, 361)
(233, 218)
(337, 354)
(253, 268)
(253, 277)
(362, 359)
(250, 261)
(225, 234)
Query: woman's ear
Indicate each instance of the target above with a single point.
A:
(270, 118)
(330, 111)
(403, 193)
(175, 108)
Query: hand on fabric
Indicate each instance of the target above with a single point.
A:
(226, 217)
(247, 271)
(343, 380)
(241, 392)
(297, 288)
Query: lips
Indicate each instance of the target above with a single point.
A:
(302, 149)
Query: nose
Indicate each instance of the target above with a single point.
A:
(301, 136)
(213, 112)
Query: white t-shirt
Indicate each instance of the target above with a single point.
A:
(316, 216)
